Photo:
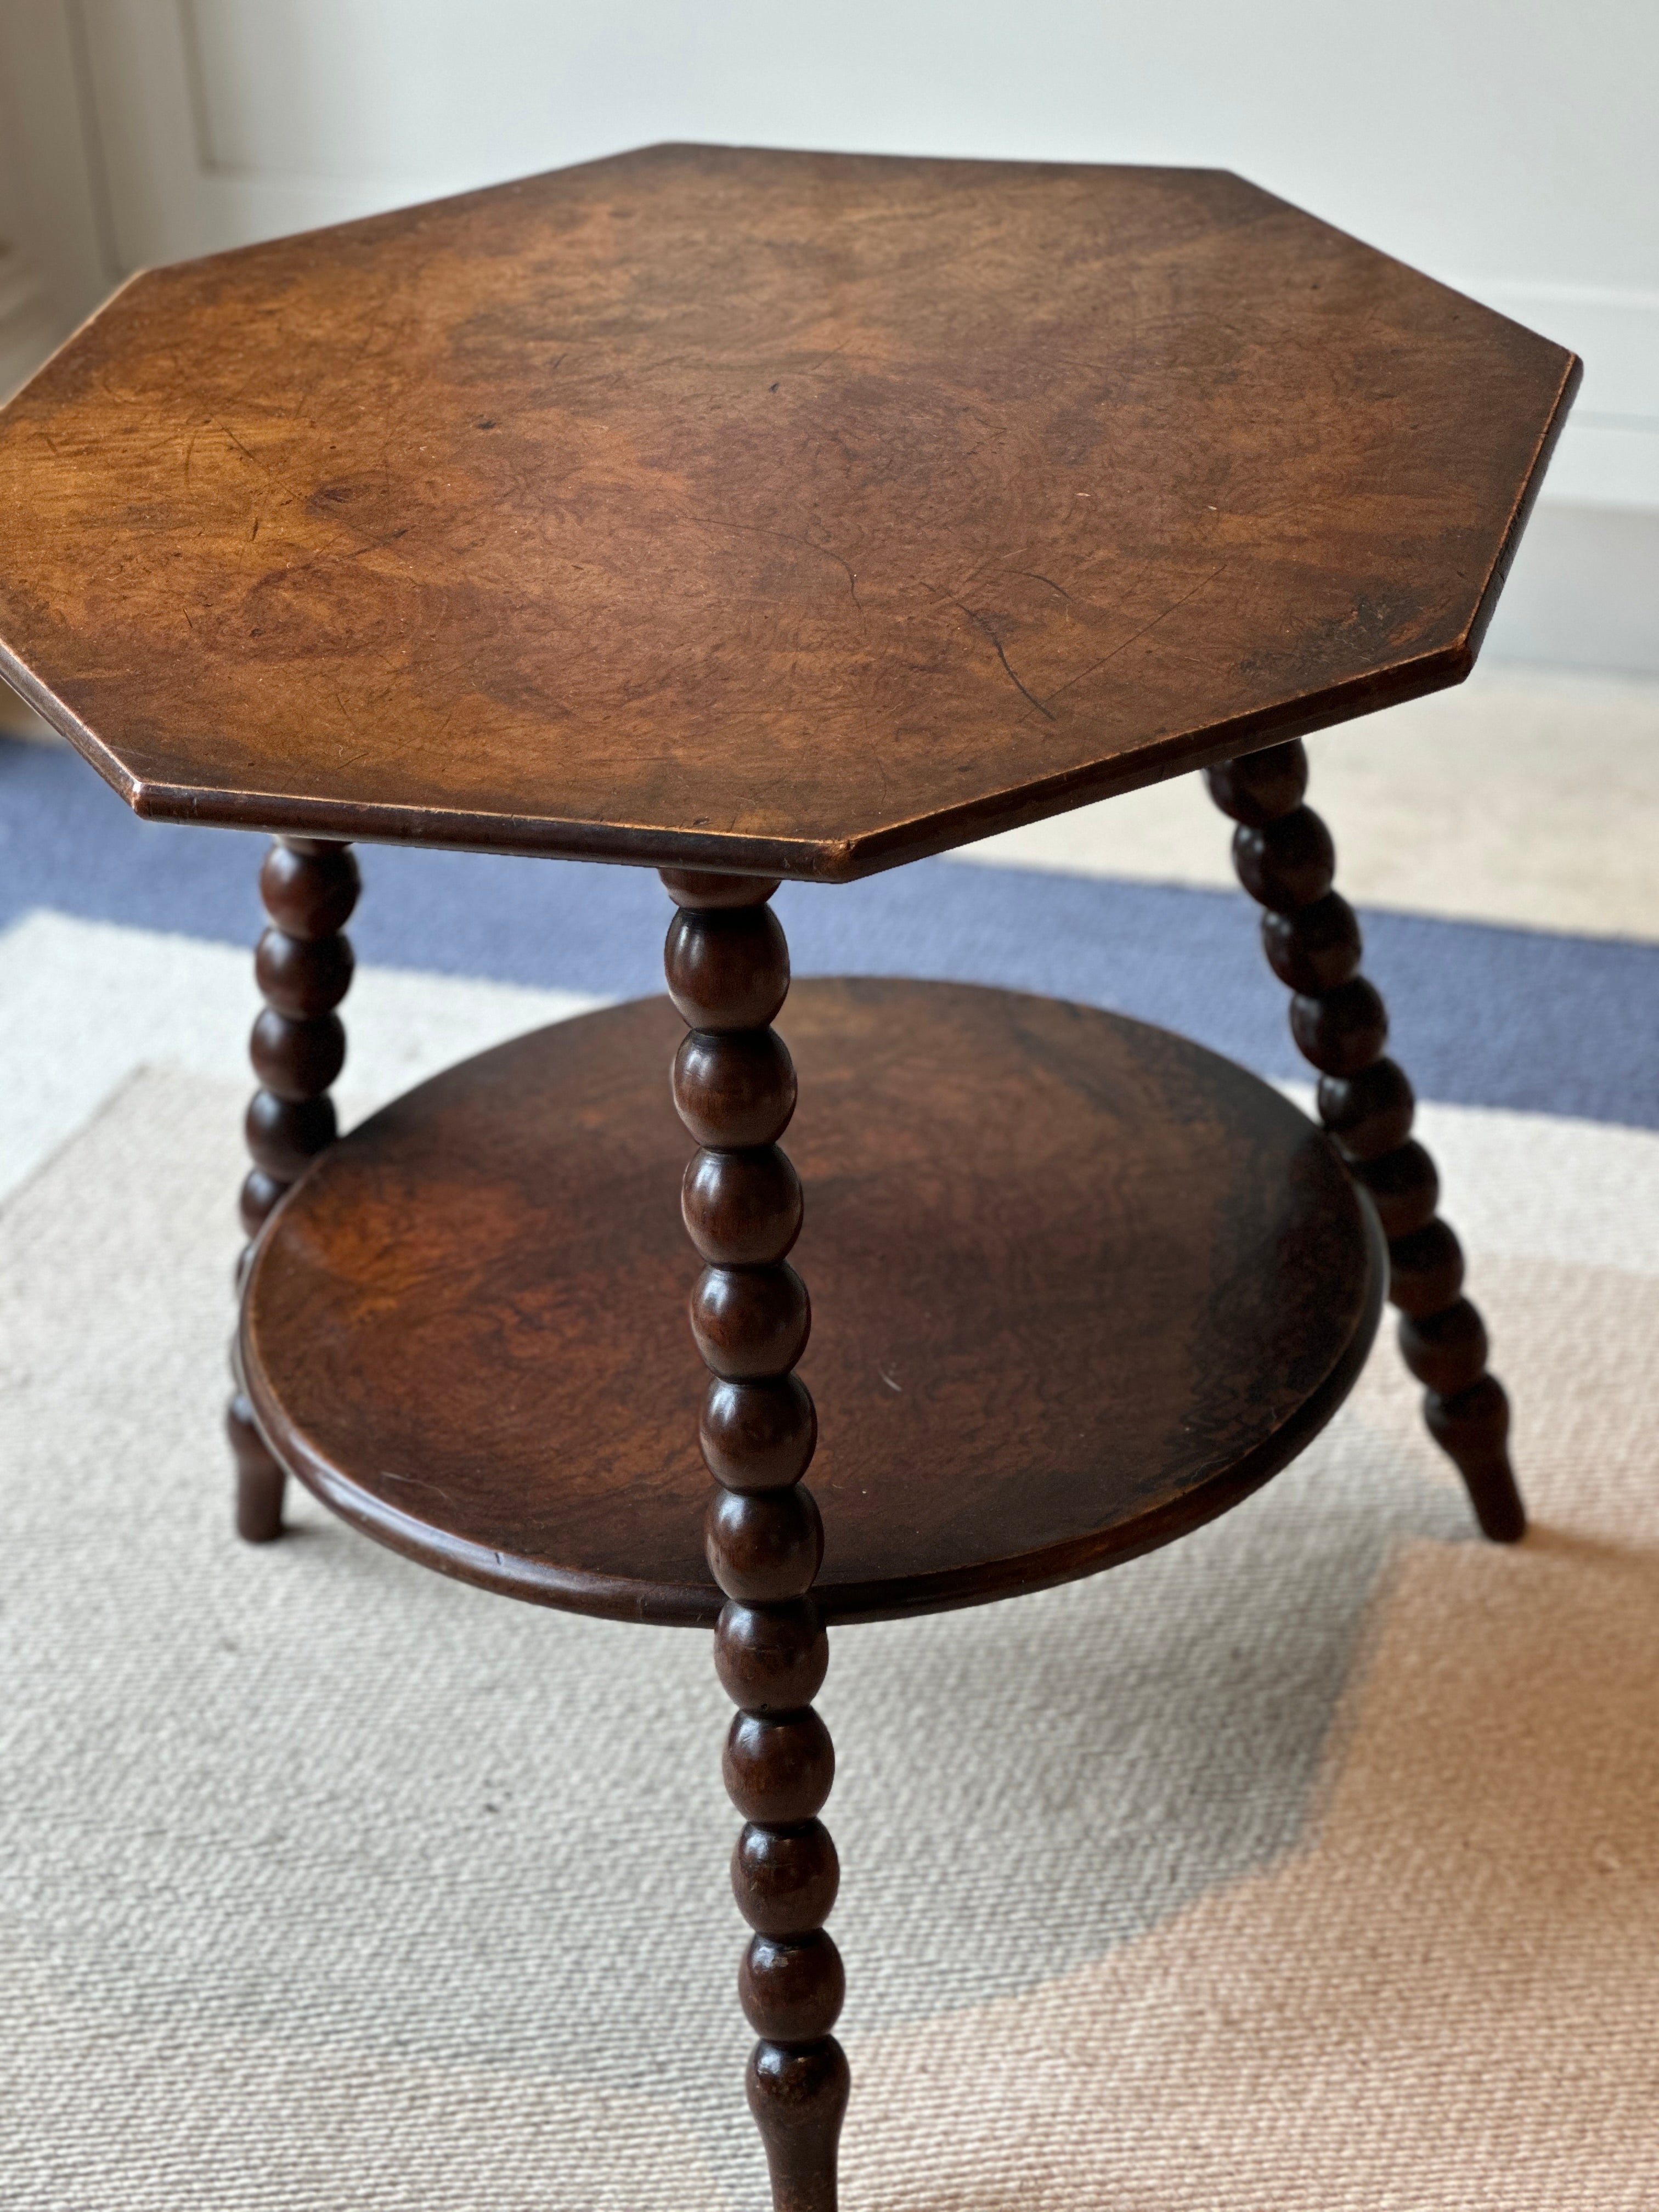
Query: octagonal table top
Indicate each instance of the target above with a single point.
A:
(792, 513)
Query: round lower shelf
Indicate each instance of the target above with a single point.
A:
(1078, 1285)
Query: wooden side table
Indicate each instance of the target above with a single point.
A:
(751, 515)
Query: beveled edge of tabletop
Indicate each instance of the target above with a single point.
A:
(807, 860)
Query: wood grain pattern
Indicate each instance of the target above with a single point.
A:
(788, 514)
(1078, 1285)
(1287, 861)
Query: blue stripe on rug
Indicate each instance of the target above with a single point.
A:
(1483, 1016)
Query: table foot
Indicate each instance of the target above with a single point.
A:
(734, 1087)
(303, 965)
(260, 1481)
(1285, 859)
(798, 2094)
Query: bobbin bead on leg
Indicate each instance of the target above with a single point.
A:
(1284, 859)
(734, 1087)
(303, 965)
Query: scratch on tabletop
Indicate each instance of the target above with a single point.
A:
(418, 1482)
(1173, 607)
(852, 580)
(1036, 577)
(980, 623)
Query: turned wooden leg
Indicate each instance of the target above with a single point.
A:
(298, 1048)
(1285, 859)
(734, 1086)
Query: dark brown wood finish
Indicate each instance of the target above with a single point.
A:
(728, 974)
(1080, 1285)
(303, 965)
(1287, 861)
(794, 513)
(789, 514)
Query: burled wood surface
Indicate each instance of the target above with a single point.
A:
(1077, 1285)
(791, 514)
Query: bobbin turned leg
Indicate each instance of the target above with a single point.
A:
(1285, 859)
(303, 965)
(734, 1087)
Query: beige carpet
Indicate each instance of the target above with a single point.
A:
(1523, 796)
(1311, 1863)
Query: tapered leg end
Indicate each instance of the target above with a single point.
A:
(1473, 1429)
(798, 2094)
(260, 1476)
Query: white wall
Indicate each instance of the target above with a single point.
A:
(1509, 146)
